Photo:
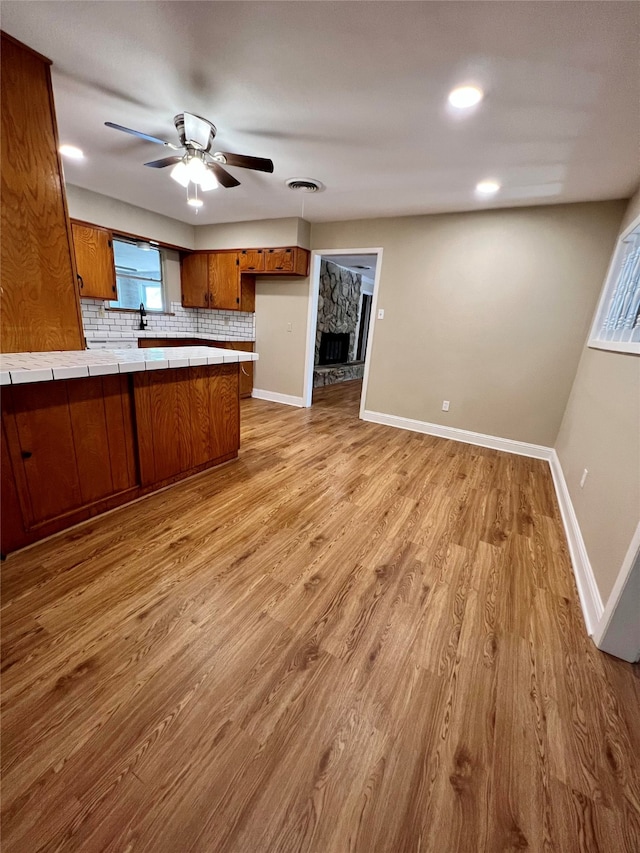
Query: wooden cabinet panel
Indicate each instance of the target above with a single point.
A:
(70, 444)
(247, 292)
(43, 457)
(40, 306)
(278, 260)
(194, 276)
(94, 261)
(185, 419)
(224, 281)
(251, 260)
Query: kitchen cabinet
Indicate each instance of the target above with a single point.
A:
(185, 419)
(69, 445)
(40, 304)
(194, 277)
(290, 261)
(72, 449)
(251, 260)
(214, 280)
(94, 261)
(246, 367)
(226, 280)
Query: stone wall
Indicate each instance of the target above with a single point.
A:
(338, 301)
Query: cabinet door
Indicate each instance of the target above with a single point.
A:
(251, 260)
(246, 367)
(40, 305)
(278, 260)
(224, 281)
(94, 261)
(194, 277)
(247, 292)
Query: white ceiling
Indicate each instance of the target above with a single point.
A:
(351, 93)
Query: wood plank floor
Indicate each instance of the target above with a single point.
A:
(354, 638)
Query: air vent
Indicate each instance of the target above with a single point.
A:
(305, 185)
(360, 267)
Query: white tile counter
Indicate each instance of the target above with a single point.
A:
(23, 367)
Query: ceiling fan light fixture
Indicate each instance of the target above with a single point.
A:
(196, 169)
(208, 181)
(180, 173)
(465, 97)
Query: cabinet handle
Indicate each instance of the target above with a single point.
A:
(250, 268)
(26, 454)
(243, 370)
(80, 281)
(206, 297)
(238, 299)
(278, 268)
(113, 287)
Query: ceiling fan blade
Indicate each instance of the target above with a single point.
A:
(166, 161)
(260, 164)
(138, 134)
(224, 178)
(197, 130)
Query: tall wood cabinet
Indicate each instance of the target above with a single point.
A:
(40, 308)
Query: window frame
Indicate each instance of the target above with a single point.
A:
(163, 276)
(610, 282)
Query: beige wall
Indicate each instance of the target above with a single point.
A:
(249, 235)
(488, 310)
(280, 302)
(118, 215)
(601, 432)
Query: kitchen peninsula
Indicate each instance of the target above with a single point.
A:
(84, 431)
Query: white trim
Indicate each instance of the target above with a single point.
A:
(592, 606)
(312, 317)
(521, 448)
(274, 397)
(631, 557)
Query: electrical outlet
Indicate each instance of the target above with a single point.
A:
(380, 313)
(583, 479)
(289, 327)
(445, 405)
(227, 320)
(101, 311)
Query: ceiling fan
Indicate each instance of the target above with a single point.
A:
(197, 163)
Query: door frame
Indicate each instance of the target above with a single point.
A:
(312, 318)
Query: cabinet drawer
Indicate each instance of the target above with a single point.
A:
(251, 260)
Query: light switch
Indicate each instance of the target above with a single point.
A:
(380, 313)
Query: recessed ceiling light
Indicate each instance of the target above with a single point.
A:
(487, 187)
(465, 96)
(195, 202)
(71, 152)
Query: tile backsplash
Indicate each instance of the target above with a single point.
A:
(225, 325)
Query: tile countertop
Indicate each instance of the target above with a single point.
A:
(22, 367)
(131, 334)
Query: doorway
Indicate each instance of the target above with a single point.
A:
(340, 328)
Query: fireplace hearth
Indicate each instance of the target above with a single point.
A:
(334, 348)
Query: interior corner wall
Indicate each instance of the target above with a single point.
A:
(488, 310)
(281, 335)
(600, 431)
(118, 215)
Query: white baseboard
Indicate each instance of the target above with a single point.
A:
(592, 606)
(274, 397)
(521, 448)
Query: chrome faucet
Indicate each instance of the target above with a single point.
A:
(143, 314)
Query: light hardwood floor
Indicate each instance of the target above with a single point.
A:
(354, 638)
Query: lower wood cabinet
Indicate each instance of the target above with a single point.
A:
(72, 449)
(185, 419)
(68, 445)
(245, 367)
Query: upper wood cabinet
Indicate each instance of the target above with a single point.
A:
(40, 304)
(215, 280)
(94, 261)
(194, 277)
(251, 260)
(226, 279)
